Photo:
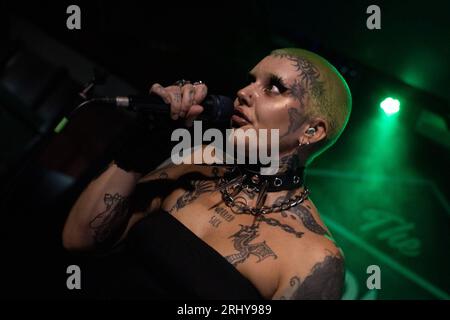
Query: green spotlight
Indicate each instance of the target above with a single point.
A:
(390, 106)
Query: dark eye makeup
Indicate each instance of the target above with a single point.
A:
(277, 82)
(273, 80)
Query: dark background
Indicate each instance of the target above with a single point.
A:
(391, 169)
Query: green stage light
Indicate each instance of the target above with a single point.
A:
(390, 106)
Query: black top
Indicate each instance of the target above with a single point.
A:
(162, 259)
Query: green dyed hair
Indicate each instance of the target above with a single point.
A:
(330, 99)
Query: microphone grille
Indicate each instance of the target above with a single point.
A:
(221, 107)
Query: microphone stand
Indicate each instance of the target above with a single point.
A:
(18, 171)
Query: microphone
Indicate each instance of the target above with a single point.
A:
(216, 108)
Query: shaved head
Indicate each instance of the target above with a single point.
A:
(322, 92)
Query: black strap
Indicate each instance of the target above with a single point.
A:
(254, 180)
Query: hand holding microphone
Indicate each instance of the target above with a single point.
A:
(135, 150)
(184, 99)
(141, 149)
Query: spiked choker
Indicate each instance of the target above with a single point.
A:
(238, 179)
(254, 181)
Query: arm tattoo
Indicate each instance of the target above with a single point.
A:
(241, 242)
(324, 282)
(109, 225)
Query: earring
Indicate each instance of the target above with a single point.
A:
(311, 131)
(302, 144)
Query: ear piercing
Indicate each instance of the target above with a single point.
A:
(311, 131)
(301, 144)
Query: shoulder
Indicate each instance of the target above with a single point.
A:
(315, 272)
(316, 267)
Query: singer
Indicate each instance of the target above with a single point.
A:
(220, 232)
